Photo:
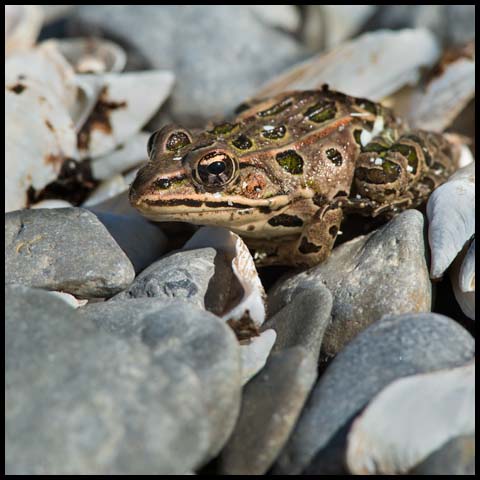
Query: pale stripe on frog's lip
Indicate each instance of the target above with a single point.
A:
(174, 207)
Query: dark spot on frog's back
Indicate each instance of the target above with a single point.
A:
(321, 112)
(306, 247)
(334, 156)
(242, 142)
(277, 108)
(223, 128)
(17, 89)
(275, 133)
(176, 141)
(290, 161)
(284, 220)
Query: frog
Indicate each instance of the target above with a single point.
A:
(284, 172)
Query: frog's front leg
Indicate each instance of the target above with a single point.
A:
(401, 175)
(312, 246)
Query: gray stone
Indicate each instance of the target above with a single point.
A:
(384, 272)
(303, 321)
(182, 275)
(142, 241)
(80, 401)
(243, 51)
(199, 339)
(271, 404)
(65, 249)
(456, 457)
(394, 347)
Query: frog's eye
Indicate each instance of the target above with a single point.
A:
(215, 169)
(170, 138)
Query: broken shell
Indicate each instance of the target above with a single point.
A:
(22, 26)
(39, 137)
(254, 354)
(47, 69)
(69, 299)
(125, 157)
(328, 25)
(451, 215)
(92, 55)
(417, 414)
(367, 66)
(251, 304)
(88, 91)
(462, 276)
(126, 103)
(467, 270)
(53, 203)
(107, 189)
(435, 107)
(286, 17)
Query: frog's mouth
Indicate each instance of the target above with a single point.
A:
(208, 209)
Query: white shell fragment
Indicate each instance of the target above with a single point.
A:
(88, 91)
(367, 66)
(467, 270)
(52, 203)
(106, 190)
(69, 299)
(279, 16)
(435, 107)
(462, 276)
(22, 26)
(451, 215)
(92, 55)
(243, 266)
(254, 355)
(39, 137)
(411, 418)
(45, 68)
(125, 157)
(127, 102)
(341, 21)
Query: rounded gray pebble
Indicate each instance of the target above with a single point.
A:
(196, 337)
(80, 401)
(271, 404)
(394, 347)
(382, 273)
(65, 249)
(183, 275)
(303, 321)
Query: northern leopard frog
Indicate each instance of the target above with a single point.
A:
(285, 171)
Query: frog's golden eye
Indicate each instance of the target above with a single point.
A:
(170, 138)
(215, 170)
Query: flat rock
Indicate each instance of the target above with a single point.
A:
(303, 321)
(394, 347)
(384, 272)
(456, 457)
(80, 401)
(197, 338)
(206, 85)
(182, 275)
(65, 249)
(271, 404)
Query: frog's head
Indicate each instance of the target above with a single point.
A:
(204, 178)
